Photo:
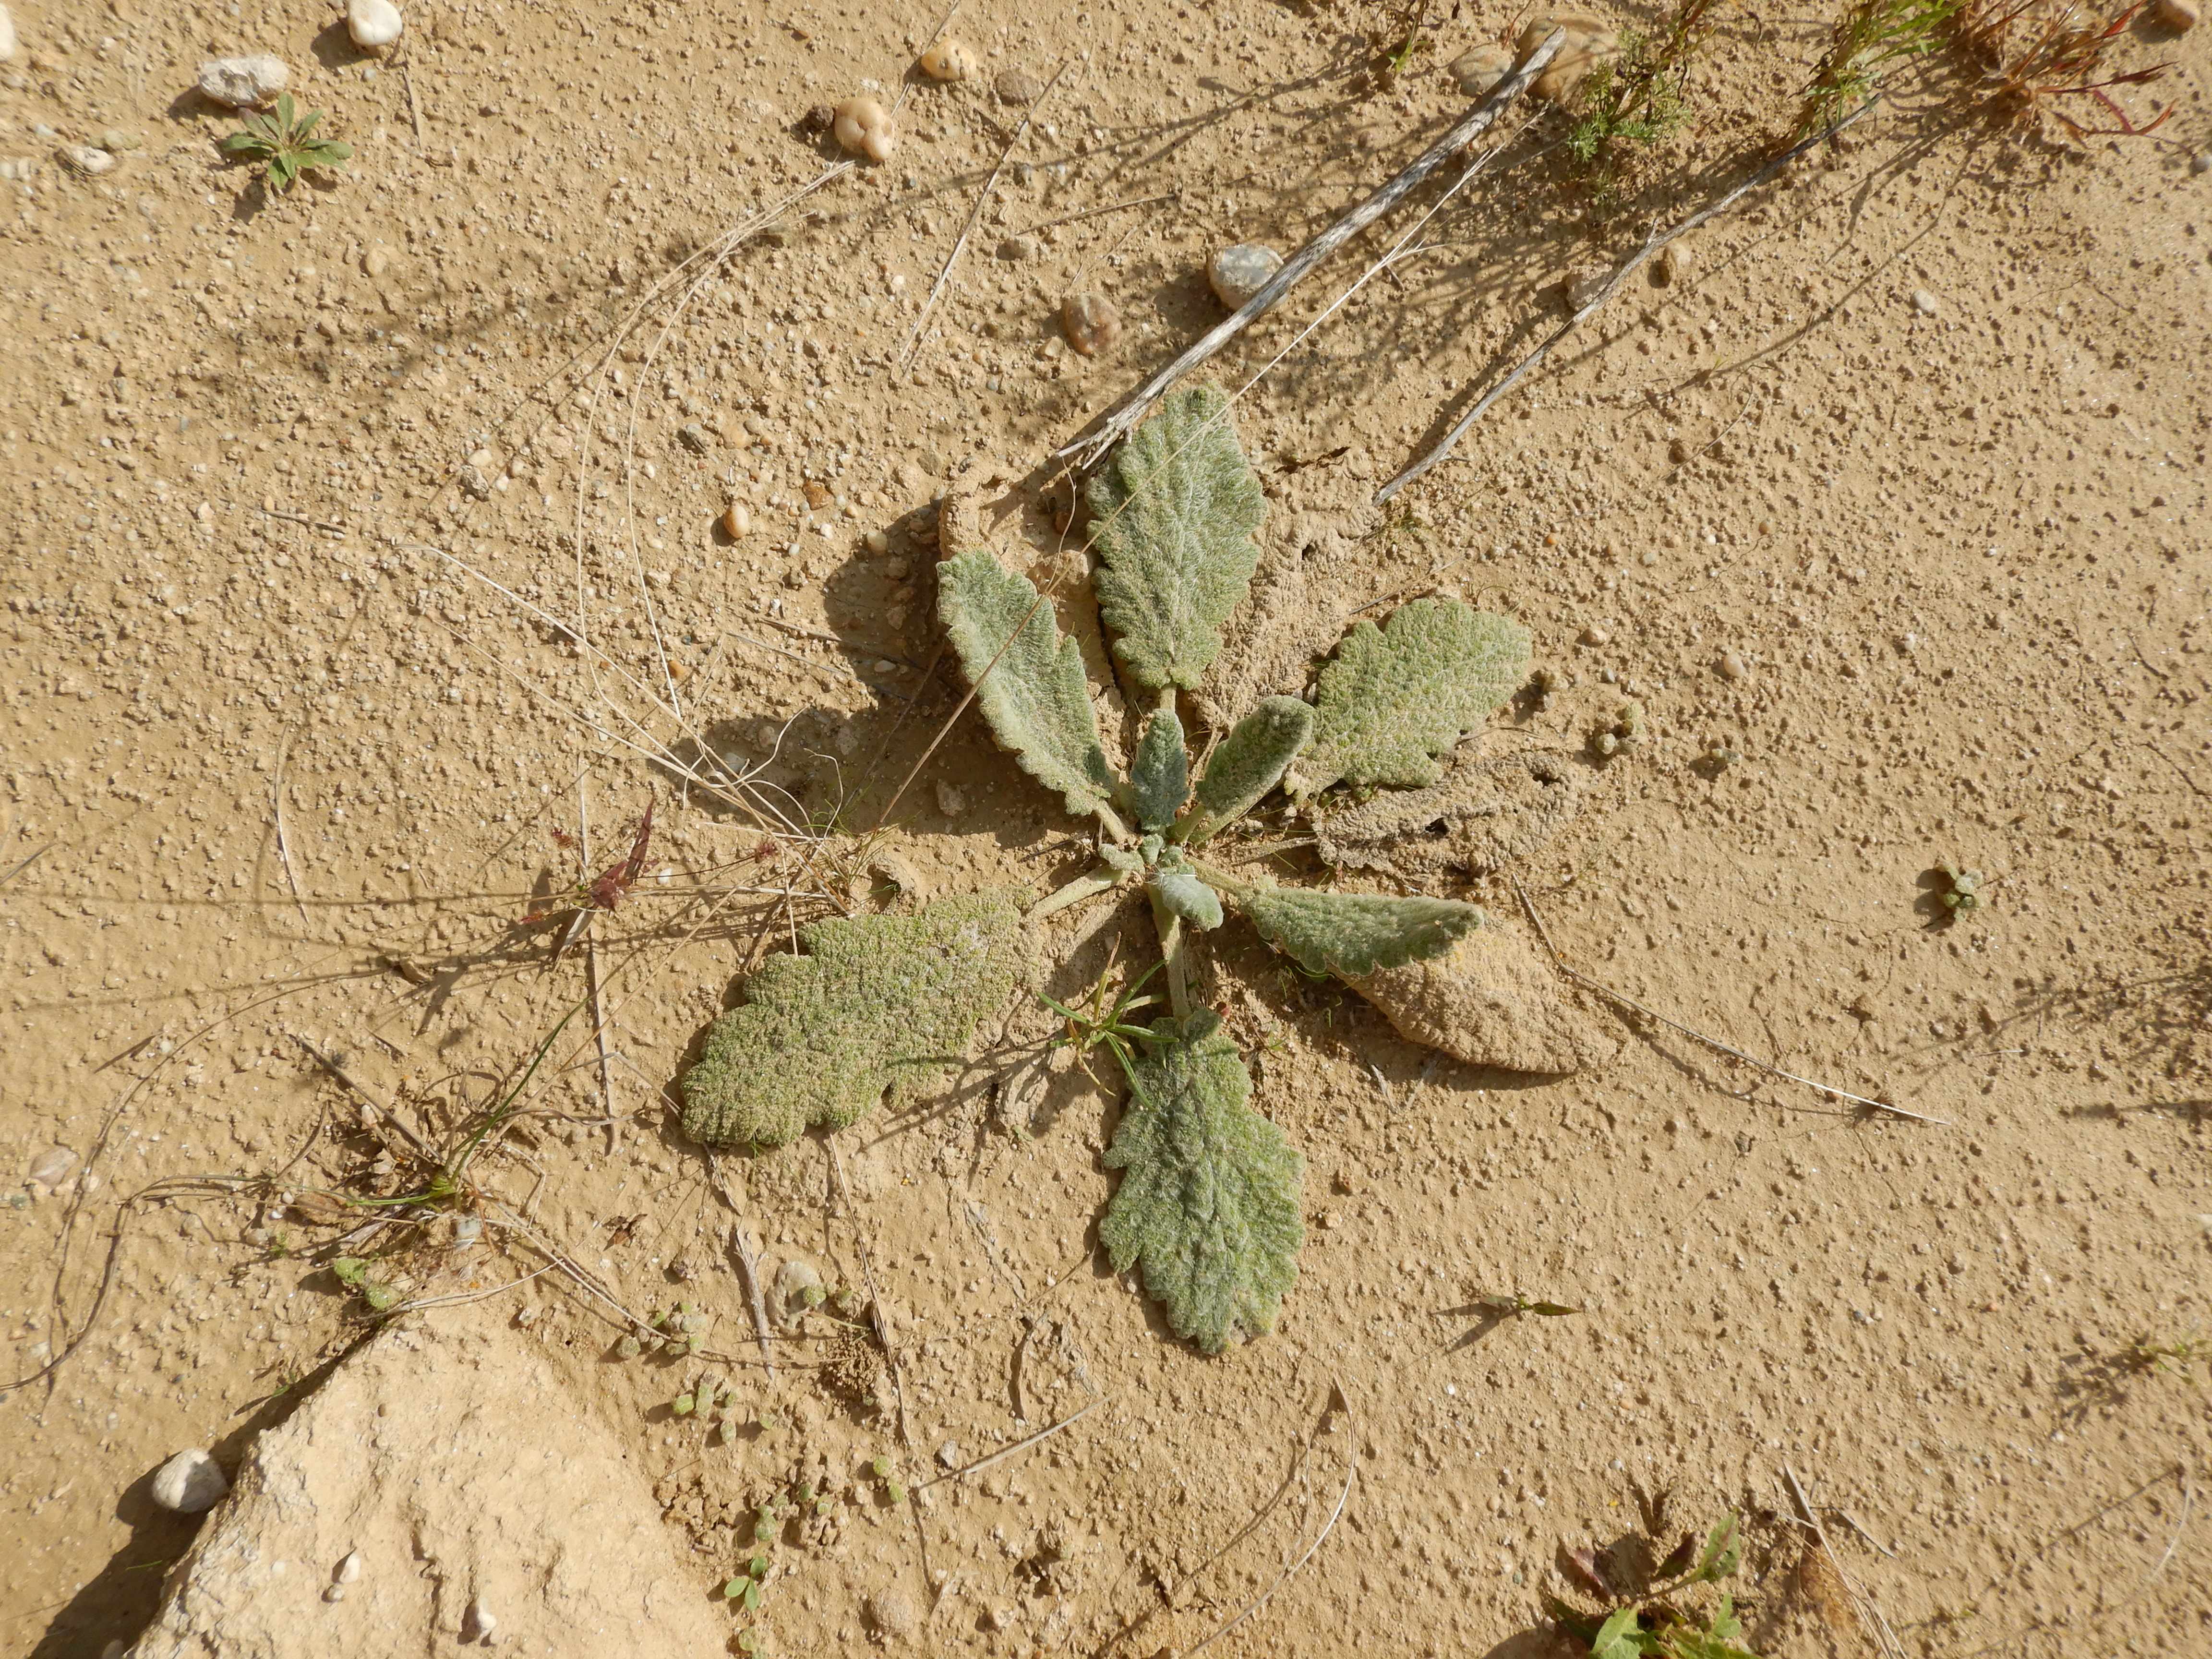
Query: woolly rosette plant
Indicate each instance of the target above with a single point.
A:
(1208, 1204)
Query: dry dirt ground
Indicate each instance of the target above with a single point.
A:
(1898, 493)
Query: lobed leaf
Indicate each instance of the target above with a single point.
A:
(1208, 1203)
(875, 1011)
(1250, 761)
(1034, 695)
(1350, 934)
(1394, 698)
(1159, 779)
(1173, 517)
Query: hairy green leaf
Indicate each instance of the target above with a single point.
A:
(1186, 895)
(1394, 698)
(242, 143)
(1723, 1552)
(325, 153)
(1035, 695)
(1620, 1637)
(1349, 934)
(1160, 778)
(1208, 1203)
(1249, 764)
(1173, 515)
(876, 1010)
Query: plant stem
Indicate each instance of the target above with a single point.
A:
(1170, 926)
(1075, 892)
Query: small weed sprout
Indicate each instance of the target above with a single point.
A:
(1652, 1617)
(1638, 99)
(1870, 42)
(283, 144)
(1964, 894)
(2030, 53)
(2145, 1355)
(1513, 1305)
(1624, 731)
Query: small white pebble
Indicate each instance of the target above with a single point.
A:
(53, 1166)
(374, 24)
(7, 35)
(1733, 666)
(348, 1571)
(736, 521)
(1924, 303)
(478, 1623)
(877, 542)
(85, 160)
(243, 82)
(190, 1482)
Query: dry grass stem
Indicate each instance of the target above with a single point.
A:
(1019, 1447)
(1119, 422)
(976, 212)
(1634, 262)
(1605, 990)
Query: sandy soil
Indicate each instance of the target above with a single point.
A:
(1898, 493)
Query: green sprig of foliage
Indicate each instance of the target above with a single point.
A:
(283, 142)
(1871, 40)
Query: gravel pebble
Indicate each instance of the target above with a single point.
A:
(736, 522)
(243, 82)
(53, 1166)
(1733, 666)
(84, 160)
(1090, 323)
(1237, 273)
(950, 800)
(949, 1455)
(1479, 69)
(349, 1570)
(950, 60)
(478, 1623)
(891, 1611)
(864, 127)
(2175, 16)
(7, 35)
(793, 1281)
(374, 24)
(1015, 86)
(1020, 247)
(1596, 633)
(1924, 303)
(190, 1482)
(1675, 262)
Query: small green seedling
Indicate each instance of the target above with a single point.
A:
(1093, 1025)
(376, 1295)
(1623, 730)
(1511, 1307)
(2145, 1355)
(1963, 896)
(283, 143)
(1652, 1618)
